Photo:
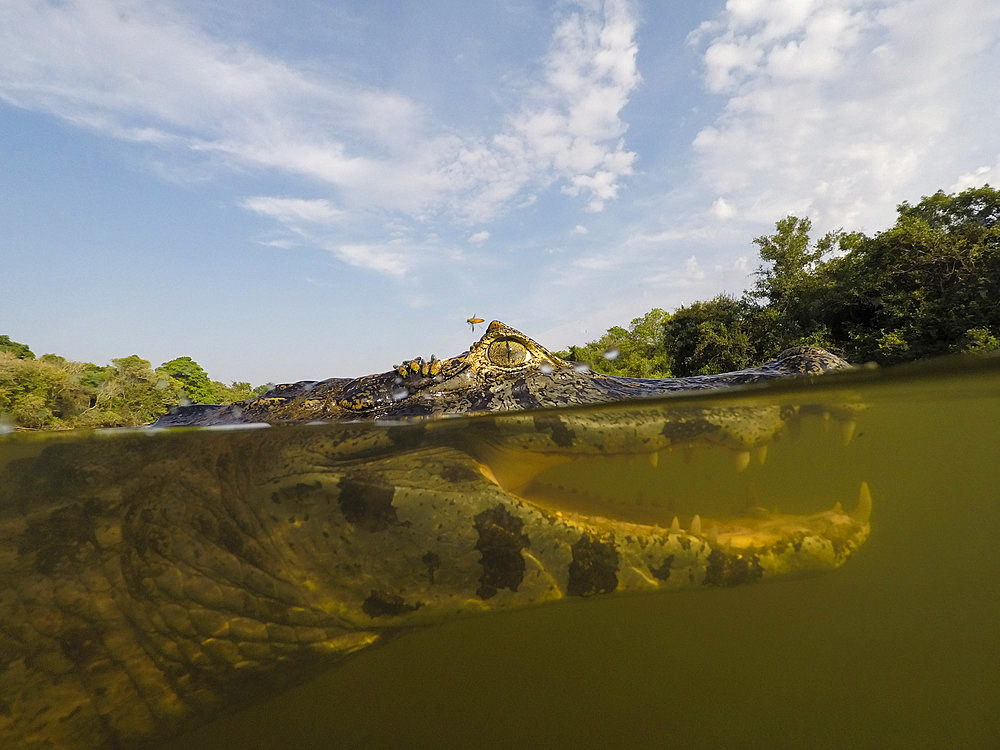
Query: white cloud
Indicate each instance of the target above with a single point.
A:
(147, 73)
(479, 237)
(840, 109)
(389, 258)
(693, 270)
(295, 210)
(721, 209)
(977, 177)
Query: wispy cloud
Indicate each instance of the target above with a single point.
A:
(838, 109)
(296, 210)
(147, 73)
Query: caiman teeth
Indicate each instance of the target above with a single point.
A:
(863, 512)
(847, 428)
(675, 526)
(654, 459)
(696, 526)
(761, 453)
(741, 460)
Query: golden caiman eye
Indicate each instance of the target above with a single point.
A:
(507, 353)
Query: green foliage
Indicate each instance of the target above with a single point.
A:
(52, 392)
(709, 337)
(980, 341)
(793, 288)
(929, 285)
(132, 394)
(37, 393)
(188, 380)
(21, 351)
(636, 352)
(919, 288)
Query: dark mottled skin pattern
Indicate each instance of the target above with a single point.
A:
(152, 580)
(503, 371)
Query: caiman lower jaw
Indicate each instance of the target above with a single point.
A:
(738, 548)
(789, 544)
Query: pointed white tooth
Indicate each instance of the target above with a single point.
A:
(838, 508)
(654, 459)
(696, 526)
(847, 428)
(761, 452)
(863, 511)
(741, 460)
(675, 526)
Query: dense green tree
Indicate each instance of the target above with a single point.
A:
(236, 391)
(636, 352)
(710, 337)
(791, 292)
(38, 393)
(928, 285)
(132, 394)
(21, 351)
(970, 212)
(188, 380)
(52, 392)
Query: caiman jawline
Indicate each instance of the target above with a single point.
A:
(805, 542)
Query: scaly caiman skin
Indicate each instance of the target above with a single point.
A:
(503, 371)
(151, 580)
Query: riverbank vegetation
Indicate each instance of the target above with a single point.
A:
(929, 285)
(52, 392)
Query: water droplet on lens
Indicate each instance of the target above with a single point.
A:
(581, 367)
(399, 394)
(547, 369)
(612, 353)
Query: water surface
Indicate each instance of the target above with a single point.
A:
(898, 648)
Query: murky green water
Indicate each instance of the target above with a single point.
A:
(899, 648)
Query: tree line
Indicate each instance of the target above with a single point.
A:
(929, 285)
(52, 392)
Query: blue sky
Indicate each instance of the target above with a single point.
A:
(308, 188)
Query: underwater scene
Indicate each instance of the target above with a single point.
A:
(807, 562)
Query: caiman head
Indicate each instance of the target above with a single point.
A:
(621, 464)
(503, 371)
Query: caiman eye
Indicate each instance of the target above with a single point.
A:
(507, 353)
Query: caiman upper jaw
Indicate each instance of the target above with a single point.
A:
(408, 378)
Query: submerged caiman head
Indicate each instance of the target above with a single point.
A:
(151, 580)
